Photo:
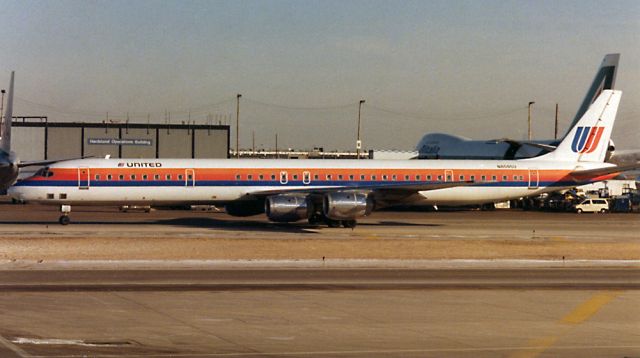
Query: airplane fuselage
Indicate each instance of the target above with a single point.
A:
(204, 181)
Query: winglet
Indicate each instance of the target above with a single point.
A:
(8, 116)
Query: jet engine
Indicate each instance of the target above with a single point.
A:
(288, 207)
(346, 205)
(244, 208)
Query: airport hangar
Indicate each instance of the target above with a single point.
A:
(44, 140)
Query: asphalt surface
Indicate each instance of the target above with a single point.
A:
(203, 284)
(321, 313)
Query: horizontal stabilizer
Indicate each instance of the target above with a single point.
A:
(588, 173)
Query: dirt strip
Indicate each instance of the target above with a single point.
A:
(201, 248)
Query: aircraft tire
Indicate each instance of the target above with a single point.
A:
(64, 220)
(349, 223)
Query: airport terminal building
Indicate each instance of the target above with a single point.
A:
(43, 140)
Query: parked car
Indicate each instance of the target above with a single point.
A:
(593, 206)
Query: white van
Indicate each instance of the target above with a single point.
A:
(593, 206)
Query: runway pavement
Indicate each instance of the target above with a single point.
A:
(402, 284)
(321, 313)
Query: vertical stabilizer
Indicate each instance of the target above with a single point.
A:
(588, 140)
(8, 115)
(605, 79)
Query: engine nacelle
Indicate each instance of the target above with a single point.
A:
(288, 207)
(346, 205)
(244, 208)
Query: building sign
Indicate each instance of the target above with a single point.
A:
(118, 141)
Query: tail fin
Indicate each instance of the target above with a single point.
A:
(605, 79)
(8, 117)
(588, 140)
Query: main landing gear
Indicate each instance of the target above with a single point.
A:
(315, 220)
(64, 218)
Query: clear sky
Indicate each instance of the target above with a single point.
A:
(463, 67)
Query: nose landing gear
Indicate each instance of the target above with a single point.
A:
(64, 218)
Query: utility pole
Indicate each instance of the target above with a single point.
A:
(529, 119)
(238, 124)
(555, 130)
(358, 141)
(2, 107)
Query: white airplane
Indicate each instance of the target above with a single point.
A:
(9, 163)
(449, 146)
(336, 192)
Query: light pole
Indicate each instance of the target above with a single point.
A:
(2, 107)
(238, 124)
(529, 119)
(358, 142)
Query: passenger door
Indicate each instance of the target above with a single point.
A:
(534, 181)
(190, 178)
(83, 178)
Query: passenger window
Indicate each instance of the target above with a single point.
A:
(472, 178)
(121, 177)
(394, 177)
(406, 178)
(428, 177)
(515, 177)
(439, 177)
(484, 178)
(97, 176)
(328, 176)
(156, 177)
(168, 177)
(373, 177)
(50, 196)
(494, 178)
(384, 177)
(505, 178)
(340, 177)
(180, 177)
(261, 177)
(249, 177)
(144, 176)
(461, 178)
(133, 177)
(351, 177)
(362, 177)
(295, 176)
(109, 177)
(316, 177)
(273, 177)
(63, 196)
(417, 177)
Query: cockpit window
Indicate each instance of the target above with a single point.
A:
(44, 172)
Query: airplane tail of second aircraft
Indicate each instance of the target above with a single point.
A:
(588, 140)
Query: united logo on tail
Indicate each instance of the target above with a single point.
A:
(586, 139)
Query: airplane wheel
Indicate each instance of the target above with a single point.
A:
(349, 224)
(64, 220)
(333, 223)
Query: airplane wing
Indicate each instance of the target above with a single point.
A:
(386, 188)
(547, 147)
(46, 162)
(604, 171)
